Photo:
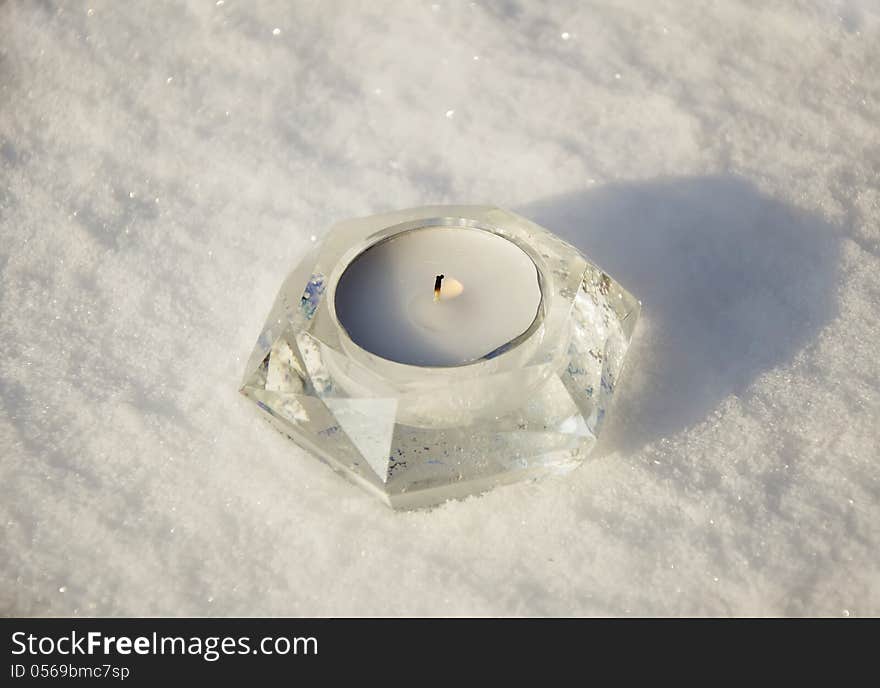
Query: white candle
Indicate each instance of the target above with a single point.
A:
(389, 303)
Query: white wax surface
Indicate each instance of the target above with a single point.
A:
(385, 298)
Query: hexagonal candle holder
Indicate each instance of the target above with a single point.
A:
(433, 353)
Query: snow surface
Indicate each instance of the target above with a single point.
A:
(162, 166)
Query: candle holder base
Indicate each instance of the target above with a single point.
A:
(414, 436)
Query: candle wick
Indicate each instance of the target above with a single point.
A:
(437, 281)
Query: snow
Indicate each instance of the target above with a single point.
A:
(163, 166)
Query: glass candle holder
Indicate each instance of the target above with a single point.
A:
(416, 435)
